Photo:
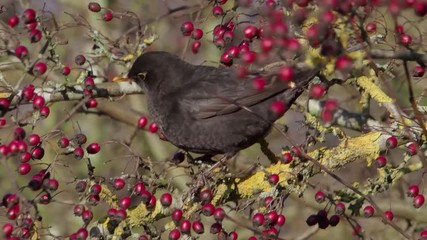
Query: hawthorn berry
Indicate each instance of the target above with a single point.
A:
(94, 7)
(39, 68)
(195, 46)
(187, 28)
(389, 215)
(258, 219)
(153, 127)
(38, 102)
(78, 153)
(29, 15)
(24, 168)
(80, 60)
(176, 215)
(119, 183)
(93, 148)
(380, 161)
(185, 226)
(166, 199)
(198, 227)
(217, 11)
(21, 51)
(108, 16)
(413, 191)
(208, 209)
(13, 21)
(320, 196)
(418, 201)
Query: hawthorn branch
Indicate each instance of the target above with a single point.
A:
(75, 92)
(403, 55)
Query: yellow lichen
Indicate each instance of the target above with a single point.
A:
(367, 83)
(141, 214)
(219, 193)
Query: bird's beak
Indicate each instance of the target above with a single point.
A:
(122, 79)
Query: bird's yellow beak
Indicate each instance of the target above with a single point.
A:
(121, 79)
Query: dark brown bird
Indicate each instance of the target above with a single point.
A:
(199, 108)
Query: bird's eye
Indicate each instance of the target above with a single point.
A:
(141, 76)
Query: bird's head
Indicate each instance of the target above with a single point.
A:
(151, 68)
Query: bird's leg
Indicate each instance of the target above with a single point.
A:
(267, 152)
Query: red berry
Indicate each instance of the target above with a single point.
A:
(108, 16)
(66, 70)
(187, 28)
(273, 179)
(166, 199)
(278, 108)
(21, 51)
(13, 21)
(280, 220)
(93, 148)
(4, 103)
(371, 27)
(119, 183)
(82, 233)
(78, 153)
(217, 11)
(121, 214)
(250, 31)
(405, 39)
(195, 46)
(226, 59)
(87, 216)
(368, 211)
(418, 201)
(152, 202)
(125, 202)
(317, 90)
(420, 8)
(24, 168)
(28, 92)
(2, 122)
(7, 229)
(259, 84)
(418, 71)
(219, 214)
(25, 157)
(233, 236)
(320, 197)
(206, 195)
(272, 217)
(221, 2)
(91, 103)
(208, 209)
(391, 142)
(95, 189)
(35, 35)
(389, 215)
(198, 227)
(197, 34)
(413, 191)
(412, 149)
(33, 139)
(139, 188)
(228, 36)
(142, 122)
(258, 219)
(94, 7)
(286, 158)
(286, 73)
(248, 57)
(38, 102)
(153, 127)
(44, 111)
(174, 234)
(176, 215)
(52, 184)
(39, 69)
(185, 226)
(380, 161)
(37, 153)
(399, 29)
(343, 63)
(339, 208)
(267, 43)
(29, 15)
(63, 142)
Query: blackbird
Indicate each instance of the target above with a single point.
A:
(209, 110)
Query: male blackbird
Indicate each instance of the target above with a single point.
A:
(210, 110)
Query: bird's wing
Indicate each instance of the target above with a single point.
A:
(220, 93)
